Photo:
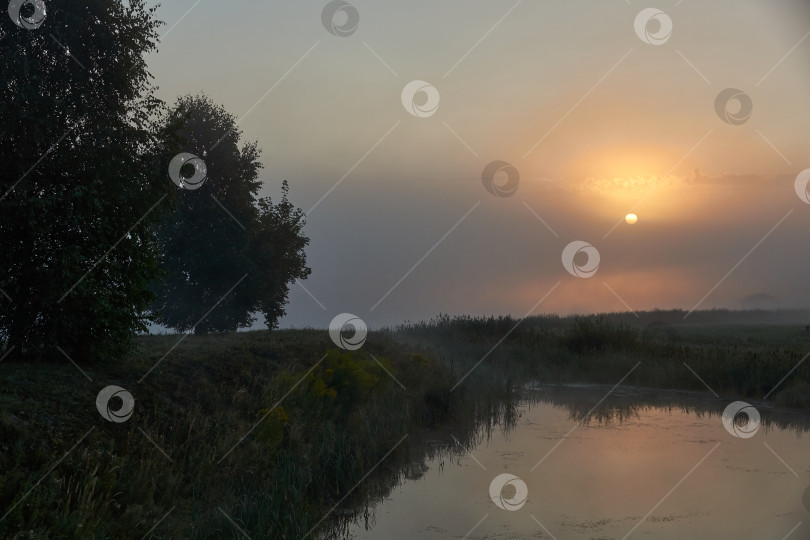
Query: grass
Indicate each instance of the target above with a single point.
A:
(273, 432)
(732, 356)
(339, 414)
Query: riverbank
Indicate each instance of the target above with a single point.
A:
(720, 352)
(267, 432)
(282, 435)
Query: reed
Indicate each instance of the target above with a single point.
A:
(275, 431)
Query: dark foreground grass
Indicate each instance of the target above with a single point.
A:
(263, 431)
(272, 433)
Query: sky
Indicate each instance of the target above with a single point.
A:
(596, 109)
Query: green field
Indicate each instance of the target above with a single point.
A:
(273, 432)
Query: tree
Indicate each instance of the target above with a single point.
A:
(83, 179)
(226, 253)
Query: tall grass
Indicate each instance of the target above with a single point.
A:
(732, 359)
(252, 425)
(257, 431)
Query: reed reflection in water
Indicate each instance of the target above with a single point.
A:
(643, 464)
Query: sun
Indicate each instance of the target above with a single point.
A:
(631, 219)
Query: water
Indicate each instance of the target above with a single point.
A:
(645, 464)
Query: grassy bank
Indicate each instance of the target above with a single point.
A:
(272, 433)
(267, 432)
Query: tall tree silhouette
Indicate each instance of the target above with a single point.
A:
(227, 254)
(82, 178)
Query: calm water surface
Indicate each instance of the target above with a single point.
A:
(639, 467)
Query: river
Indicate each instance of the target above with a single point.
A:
(592, 462)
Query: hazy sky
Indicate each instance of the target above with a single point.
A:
(591, 116)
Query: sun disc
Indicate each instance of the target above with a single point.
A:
(631, 219)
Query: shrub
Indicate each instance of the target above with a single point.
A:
(342, 383)
(271, 430)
